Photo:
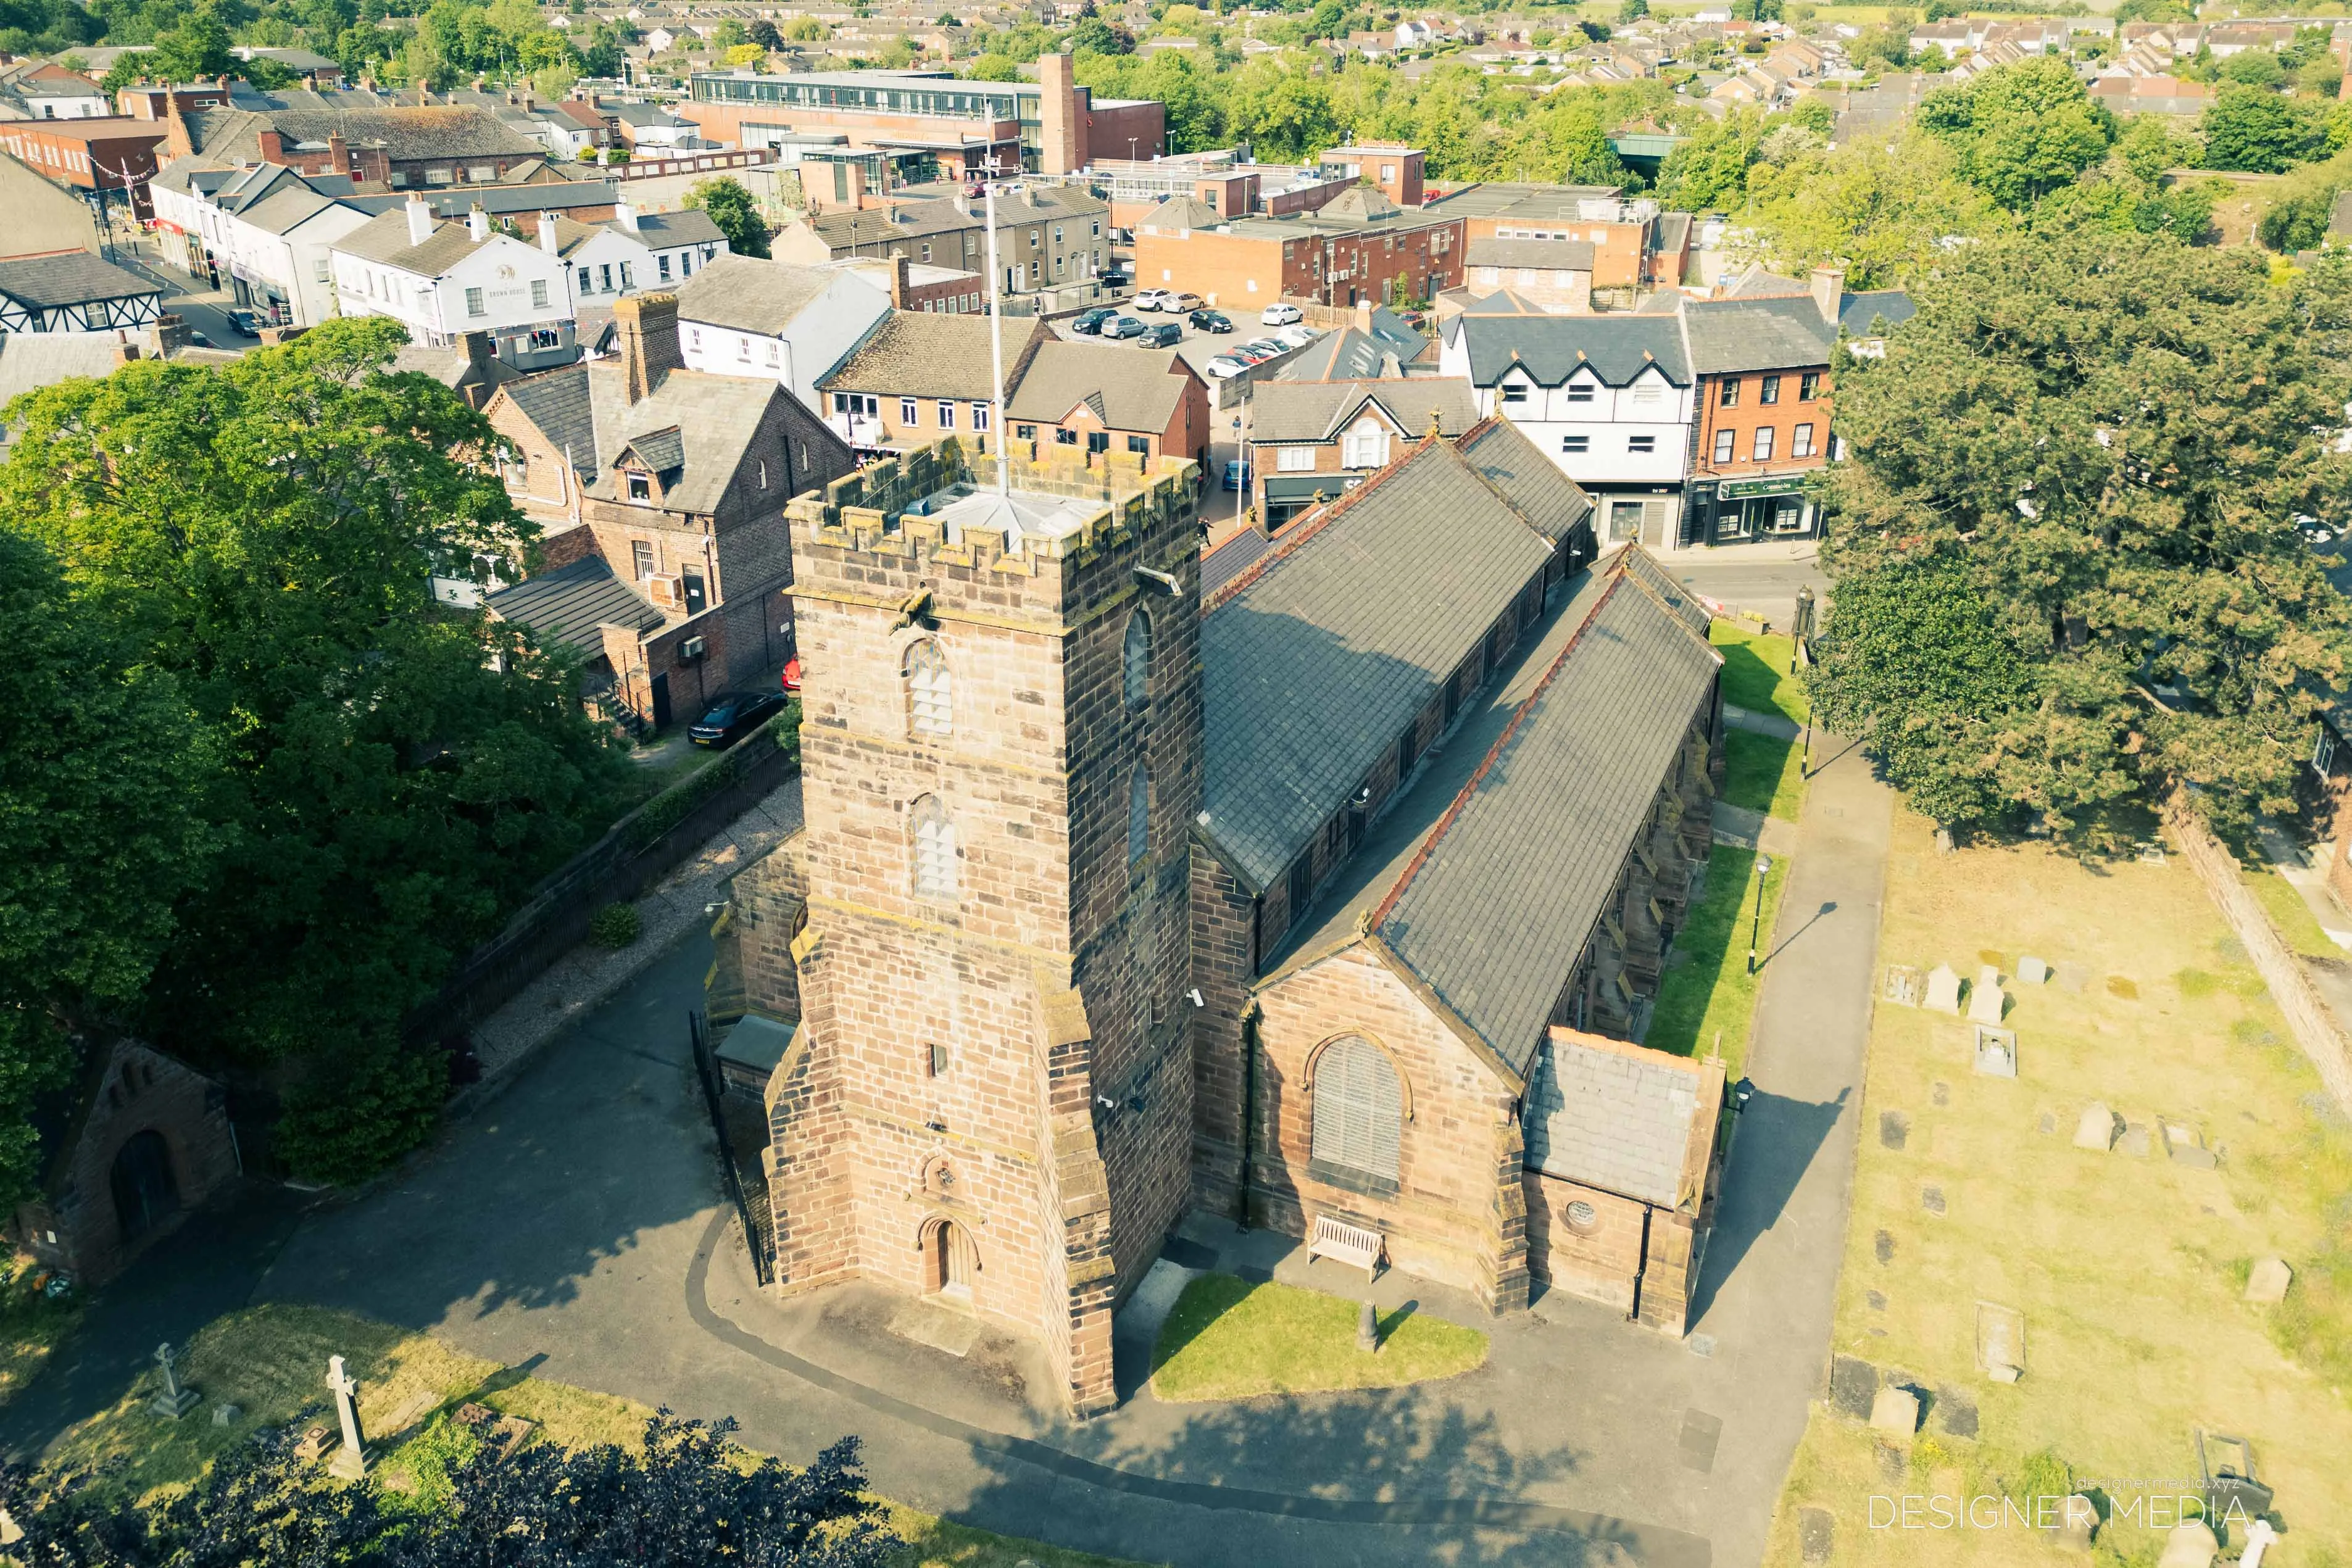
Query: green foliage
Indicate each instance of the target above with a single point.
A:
(657, 816)
(2255, 130)
(380, 781)
(1093, 36)
(1632, 11)
(2296, 219)
(359, 1108)
(1880, 212)
(430, 1460)
(614, 926)
(734, 210)
(1708, 169)
(2254, 68)
(2074, 477)
(2041, 1474)
(195, 50)
(990, 67)
(2021, 130)
(97, 837)
(2156, 11)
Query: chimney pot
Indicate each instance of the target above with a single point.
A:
(420, 220)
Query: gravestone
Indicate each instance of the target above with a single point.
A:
(1894, 1410)
(2033, 971)
(2266, 1286)
(1877, 1299)
(2074, 978)
(1996, 1052)
(2185, 1146)
(2048, 1125)
(2097, 1128)
(1853, 1386)
(1931, 1198)
(1893, 1129)
(172, 1401)
(2137, 1141)
(1986, 998)
(1816, 1533)
(1903, 983)
(2000, 1341)
(1940, 1092)
(1955, 1412)
(1943, 841)
(315, 1440)
(226, 1414)
(2151, 854)
(1367, 1329)
(351, 1460)
(1943, 992)
(1883, 1244)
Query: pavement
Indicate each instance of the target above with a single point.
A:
(576, 1218)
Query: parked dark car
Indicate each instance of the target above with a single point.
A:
(1091, 322)
(1211, 321)
(1166, 335)
(733, 717)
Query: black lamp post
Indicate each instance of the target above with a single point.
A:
(1756, 924)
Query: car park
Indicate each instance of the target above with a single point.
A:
(1267, 348)
(1089, 322)
(1124, 327)
(1211, 321)
(734, 715)
(1180, 302)
(1278, 314)
(1149, 299)
(1166, 335)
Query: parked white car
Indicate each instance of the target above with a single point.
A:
(1223, 369)
(1297, 335)
(1149, 299)
(1278, 314)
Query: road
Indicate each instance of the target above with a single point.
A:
(202, 308)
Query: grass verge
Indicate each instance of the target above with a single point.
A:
(2288, 912)
(1228, 1339)
(1763, 774)
(31, 1326)
(271, 1361)
(2129, 1268)
(1710, 996)
(1756, 671)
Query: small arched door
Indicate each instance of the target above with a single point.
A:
(144, 1192)
(949, 1263)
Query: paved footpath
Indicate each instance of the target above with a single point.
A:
(575, 1220)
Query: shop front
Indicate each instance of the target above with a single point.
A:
(1749, 511)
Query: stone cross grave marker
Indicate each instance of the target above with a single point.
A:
(1986, 997)
(172, 1401)
(1903, 981)
(351, 1460)
(1943, 992)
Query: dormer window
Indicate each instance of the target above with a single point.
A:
(1579, 391)
(640, 483)
(1514, 393)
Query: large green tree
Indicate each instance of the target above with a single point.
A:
(99, 833)
(2067, 568)
(2255, 130)
(393, 775)
(2021, 130)
(734, 210)
(1879, 211)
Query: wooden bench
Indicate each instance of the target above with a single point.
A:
(1345, 1243)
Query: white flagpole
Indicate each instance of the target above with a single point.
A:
(996, 352)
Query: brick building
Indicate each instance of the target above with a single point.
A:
(1359, 246)
(1047, 236)
(1114, 901)
(404, 148)
(662, 493)
(1147, 403)
(1322, 439)
(137, 1140)
(1635, 246)
(114, 155)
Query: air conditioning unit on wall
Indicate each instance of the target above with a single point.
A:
(691, 649)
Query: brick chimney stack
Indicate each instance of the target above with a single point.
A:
(420, 220)
(478, 223)
(547, 240)
(1829, 291)
(646, 329)
(898, 284)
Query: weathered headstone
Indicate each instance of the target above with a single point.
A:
(1986, 998)
(1894, 1410)
(2266, 1286)
(314, 1441)
(1876, 1299)
(2136, 1141)
(1931, 1198)
(172, 1401)
(226, 1414)
(2191, 1545)
(1816, 1533)
(1883, 1243)
(1367, 1329)
(2097, 1128)
(1893, 1129)
(1996, 1051)
(1943, 992)
(1853, 1386)
(2033, 971)
(2074, 978)
(2048, 1125)
(2000, 1341)
(1955, 1411)
(2185, 1146)
(351, 1460)
(2151, 853)
(1943, 841)
(1903, 983)
(1940, 1092)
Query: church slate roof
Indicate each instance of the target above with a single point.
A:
(1556, 504)
(1619, 1117)
(1316, 655)
(568, 604)
(1500, 904)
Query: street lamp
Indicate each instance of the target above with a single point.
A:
(1756, 925)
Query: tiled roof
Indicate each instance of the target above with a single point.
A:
(1180, 213)
(1555, 504)
(699, 426)
(663, 230)
(498, 201)
(1857, 311)
(1236, 555)
(1501, 901)
(922, 353)
(1620, 1117)
(1316, 411)
(70, 277)
(1127, 387)
(568, 604)
(1315, 656)
(384, 239)
(1342, 356)
(1727, 336)
(1552, 348)
(557, 401)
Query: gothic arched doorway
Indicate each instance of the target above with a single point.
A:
(144, 1192)
(948, 1264)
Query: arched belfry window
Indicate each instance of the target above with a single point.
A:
(1138, 661)
(930, 697)
(1358, 1108)
(935, 849)
(1139, 816)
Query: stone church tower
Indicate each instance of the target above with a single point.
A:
(989, 1096)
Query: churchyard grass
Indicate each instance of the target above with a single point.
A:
(1763, 774)
(1229, 1339)
(1708, 995)
(271, 1361)
(1756, 670)
(2288, 912)
(2130, 1272)
(31, 1326)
